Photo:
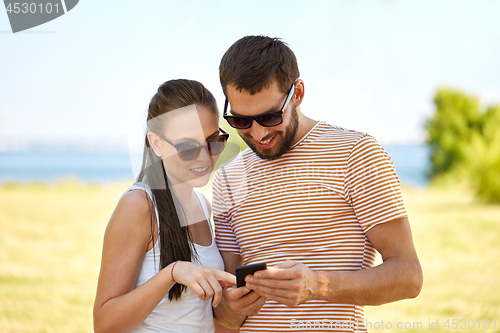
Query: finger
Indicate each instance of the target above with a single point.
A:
(216, 290)
(273, 273)
(226, 277)
(225, 284)
(233, 293)
(286, 264)
(207, 290)
(255, 306)
(284, 300)
(198, 290)
(272, 283)
(287, 273)
(270, 292)
(250, 297)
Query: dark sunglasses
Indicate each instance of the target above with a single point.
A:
(268, 119)
(188, 151)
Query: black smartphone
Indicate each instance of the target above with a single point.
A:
(243, 271)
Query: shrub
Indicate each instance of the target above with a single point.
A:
(465, 142)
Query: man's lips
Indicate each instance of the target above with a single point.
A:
(266, 144)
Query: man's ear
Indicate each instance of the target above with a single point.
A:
(155, 143)
(298, 95)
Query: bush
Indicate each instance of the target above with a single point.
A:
(465, 142)
(484, 153)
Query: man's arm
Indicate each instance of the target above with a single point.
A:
(398, 277)
(237, 303)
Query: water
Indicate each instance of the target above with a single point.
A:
(411, 162)
(50, 166)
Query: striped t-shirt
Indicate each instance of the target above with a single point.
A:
(312, 205)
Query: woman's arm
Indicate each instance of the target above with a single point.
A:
(118, 306)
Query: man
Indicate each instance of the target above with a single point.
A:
(313, 201)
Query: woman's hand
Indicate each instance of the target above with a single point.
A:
(205, 281)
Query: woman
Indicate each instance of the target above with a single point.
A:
(160, 264)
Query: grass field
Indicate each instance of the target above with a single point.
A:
(50, 247)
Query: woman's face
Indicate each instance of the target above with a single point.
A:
(189, 124)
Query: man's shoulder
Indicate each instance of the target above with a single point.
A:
(337, 134)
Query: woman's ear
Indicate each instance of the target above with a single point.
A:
(154, 143)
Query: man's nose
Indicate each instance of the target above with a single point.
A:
(258, 132)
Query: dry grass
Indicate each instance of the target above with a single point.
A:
(51, 238)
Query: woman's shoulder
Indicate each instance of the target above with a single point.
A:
(137, 199)
(133, 210)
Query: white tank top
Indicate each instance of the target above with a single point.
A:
(188, 313)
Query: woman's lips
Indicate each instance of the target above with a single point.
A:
(201, 171)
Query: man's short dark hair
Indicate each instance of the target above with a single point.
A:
(252, 62)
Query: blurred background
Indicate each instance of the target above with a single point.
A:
(422, 77)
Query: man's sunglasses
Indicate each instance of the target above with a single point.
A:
(268, 119)
(188, 151)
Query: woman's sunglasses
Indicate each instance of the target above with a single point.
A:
(268, 119)
(190, 150)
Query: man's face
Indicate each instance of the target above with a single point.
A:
(267, 142)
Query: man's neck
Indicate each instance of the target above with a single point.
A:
(305, 125)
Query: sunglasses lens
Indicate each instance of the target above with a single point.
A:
(216, 145)
(188, 151)
(270, 120)
(239, 122)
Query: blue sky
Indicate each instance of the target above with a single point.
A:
(368, 65)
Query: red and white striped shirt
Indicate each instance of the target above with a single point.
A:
(312, 205)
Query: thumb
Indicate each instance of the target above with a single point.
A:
(286, 264)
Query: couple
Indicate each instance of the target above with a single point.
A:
(313, 201)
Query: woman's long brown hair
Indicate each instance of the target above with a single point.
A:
(175, 240)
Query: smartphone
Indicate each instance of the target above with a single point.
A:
(243, 271)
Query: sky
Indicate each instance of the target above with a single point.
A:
(367, 65)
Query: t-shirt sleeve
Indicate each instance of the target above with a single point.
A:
(371, 184)
(224, 235)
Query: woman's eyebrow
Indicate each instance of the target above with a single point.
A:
(191, 139)
(213, 134)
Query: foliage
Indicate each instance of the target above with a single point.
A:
(465, 142)
(485, 157)
(457, 117)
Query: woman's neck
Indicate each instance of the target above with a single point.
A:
(187, 204)
(183, 192)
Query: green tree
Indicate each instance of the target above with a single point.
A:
(465, 142)
(484, 154)
(457, 117)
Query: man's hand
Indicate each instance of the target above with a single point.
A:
(290, 283)
(243, 301)
(236, 305)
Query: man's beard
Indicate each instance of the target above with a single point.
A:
(287, 139)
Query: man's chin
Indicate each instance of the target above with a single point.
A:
(265, 154)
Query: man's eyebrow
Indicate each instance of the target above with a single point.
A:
(273, 109)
